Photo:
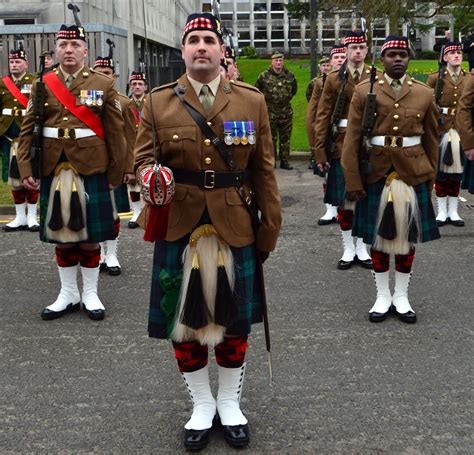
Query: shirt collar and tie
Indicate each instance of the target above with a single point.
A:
(206, 92)
(69, 78)
(355, 72)
(396, 84)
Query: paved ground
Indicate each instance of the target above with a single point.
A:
(342, 385)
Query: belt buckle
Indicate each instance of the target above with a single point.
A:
(66, 133)
(393, 141)
(16, 112)
(210, 183)
(453, 111)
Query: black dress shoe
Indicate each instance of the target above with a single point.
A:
(322, 222)
(95, 315)
(378, 317)
(132, 224)
(34, 228)
(196, 439)
(114, 271)
(311, 164)
(103, 267)
(409, 317)
(457, 223)
(7, 228)
(344, 265)
(47, 315)
(236, 435)
(366, 263)
(285, 165)
(441, 223)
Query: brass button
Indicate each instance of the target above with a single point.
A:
(209, 123)
(455, 102)
(15, 99)
(396, 105)
(395, 128)
(396, 116)
(65, 119)
(455, 95)
(46, 104)
(381, 82)
(207, 160)
(410, 83)
(418, 115)
(175, 137)
(207, 142)
(455, 87)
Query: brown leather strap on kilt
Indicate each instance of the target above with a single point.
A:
(209, 179)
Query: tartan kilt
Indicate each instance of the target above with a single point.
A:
(468, 176)
(365, 214)
(247, 288)
(5, 146)
(121, 198)
(100, 218)
(335, 185)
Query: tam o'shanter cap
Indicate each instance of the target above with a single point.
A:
(202, 21)
(355, 37)
(137, 76)
(452, 46)
(338, 49)
(395, 42)
(16, 54)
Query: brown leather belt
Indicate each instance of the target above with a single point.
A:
(209, 179)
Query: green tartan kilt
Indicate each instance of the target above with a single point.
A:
(468, 176)
(247, 288)
(335, 185)
(5, 145)
(365, 214)
(121, 198)
(99, 212)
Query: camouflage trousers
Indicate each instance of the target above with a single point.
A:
(281, 134)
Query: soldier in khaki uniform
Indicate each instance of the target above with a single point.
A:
(279, 86)
(82, 155)
(138, 87)
(324, 67)
(337, 59)
(206, 198)
(15, 90)
(109, 261)
(448, 178)
(342, 81)
(465, 126)
(394, 208)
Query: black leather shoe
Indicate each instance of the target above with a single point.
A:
(409, 317)
(196, 439)
(441, 223)
(34, 228)
(344, 265)
(457, 223)
(95, 315)
(322, 222)
(132, 224)
(311, 164)
(366, 263)
(285, 165)
(378, 317)
(114, 271)
(236, 435)
(47, 315)
(103, 267)
(23, 227)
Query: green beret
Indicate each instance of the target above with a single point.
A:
(277, 55)
(324, 60)
(47, 52)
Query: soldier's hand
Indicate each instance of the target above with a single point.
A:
(129, 178)
(356, 195)
(469, 154)
(112, 187)
(31, 184)
(324, 167)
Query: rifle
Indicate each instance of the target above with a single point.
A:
(368, 120)
(38, 109)
(337, 114)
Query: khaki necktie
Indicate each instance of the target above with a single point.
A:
(397, 86)
(206, 98)
(454, 77)
(69, 81)
(356, 76)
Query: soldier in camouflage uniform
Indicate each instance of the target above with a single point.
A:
(279, 86)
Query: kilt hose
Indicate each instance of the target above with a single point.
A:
(5, 145)
(468, 176)
(99, 211)
(121, 198)
(167, 272)
(365, 215)
(335, 185)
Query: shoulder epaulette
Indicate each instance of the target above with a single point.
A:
(161, 87)
(421, 83)
(244, 85)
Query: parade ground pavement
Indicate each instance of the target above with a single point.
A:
(342, 385)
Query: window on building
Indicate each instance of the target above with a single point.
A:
(260, 6)
(277, 7)
(19, 21)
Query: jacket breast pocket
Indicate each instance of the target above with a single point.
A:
(415, 120)
(175, 141)
(238, 217)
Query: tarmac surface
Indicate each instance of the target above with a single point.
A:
(342, 385)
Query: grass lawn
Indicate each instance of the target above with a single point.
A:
(5, 194)
(250, 69)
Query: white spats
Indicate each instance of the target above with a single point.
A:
(31, 217)
(361, 250)
(400, 295)
(20, 218)
(331, 213)
(384, 297)
(111, 253)
(136, 209)
(453, 203)
(442, 203)
(348, 245)
(228, 396)
(204, 404)
(90, 299)
(69, 293)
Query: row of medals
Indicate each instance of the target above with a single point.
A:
(236, 140)
(92, 97)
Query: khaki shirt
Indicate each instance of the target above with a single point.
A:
(180, 144)
(412, 113)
